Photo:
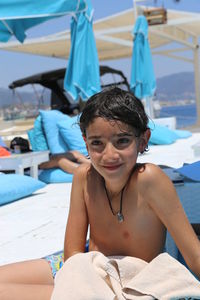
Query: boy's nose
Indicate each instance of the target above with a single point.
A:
(110, 152)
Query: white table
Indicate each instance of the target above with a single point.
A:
(18, 162)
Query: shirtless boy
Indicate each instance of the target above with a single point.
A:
(127, 205)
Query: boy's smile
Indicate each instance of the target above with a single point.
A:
(113, 148)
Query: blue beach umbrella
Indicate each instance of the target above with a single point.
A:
(82, 78)
(143, 82)
(16, 16)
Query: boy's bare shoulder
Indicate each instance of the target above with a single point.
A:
(153, 183)
(152, 175)
(85, 175)
(148, 169)
(82, 170)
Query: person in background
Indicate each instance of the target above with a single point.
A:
(67, 161)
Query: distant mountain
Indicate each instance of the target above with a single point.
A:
(179, 86)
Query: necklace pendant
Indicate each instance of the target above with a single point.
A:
(120, 217)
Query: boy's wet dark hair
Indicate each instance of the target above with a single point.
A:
(115, 104)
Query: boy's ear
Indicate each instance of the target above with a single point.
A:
(144, 139)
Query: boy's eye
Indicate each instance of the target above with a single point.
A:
(96, 143)
(123, 141)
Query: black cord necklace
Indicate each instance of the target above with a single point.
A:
(119, 214)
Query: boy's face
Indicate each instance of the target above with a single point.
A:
(113, 148)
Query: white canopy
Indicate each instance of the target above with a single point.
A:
(114, 40)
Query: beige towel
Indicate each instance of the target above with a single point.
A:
(93, 276)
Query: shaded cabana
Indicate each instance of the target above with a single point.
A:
(60, 99)
(175, 39)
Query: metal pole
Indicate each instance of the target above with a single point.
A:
(135, 9)
(197, 80)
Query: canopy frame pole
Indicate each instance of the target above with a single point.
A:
(6, 25)
(197, 80)
(167, 54)
(173, 38)
(135, 9)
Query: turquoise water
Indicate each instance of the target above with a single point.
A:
(185, 114)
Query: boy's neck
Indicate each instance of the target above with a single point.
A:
(114, 187)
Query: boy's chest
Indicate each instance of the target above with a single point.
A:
(138, 218)
(141, 234)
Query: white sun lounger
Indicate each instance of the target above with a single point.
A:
(34, 226)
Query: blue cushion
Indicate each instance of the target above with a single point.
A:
(161, 135)
(55, 176)
(14, 187)
(40, 138)
(31, 137)
(37, 136)
(182, 134)
(54, 139)
(72, 135)
(191, 171)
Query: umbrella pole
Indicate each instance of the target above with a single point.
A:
(135, 9)
(149, 106)
(197, 78)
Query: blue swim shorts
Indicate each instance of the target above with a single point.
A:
(55, 262)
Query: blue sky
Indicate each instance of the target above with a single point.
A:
(14, 66)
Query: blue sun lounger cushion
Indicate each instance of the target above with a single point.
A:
(162, 135)
(15, 186)
(40, 138)
(191, 171)
(182, 134)
(55, 176)
(37, 136)
(72, 135)
(54, 139)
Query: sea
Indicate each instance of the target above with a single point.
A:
(186, 115)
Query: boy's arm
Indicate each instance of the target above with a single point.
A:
(164, 201)
(77, 224)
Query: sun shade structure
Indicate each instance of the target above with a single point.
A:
(53, 80)
(82, 78)
(114, 37)
(175, 39)
(47, 78)
(18, 16)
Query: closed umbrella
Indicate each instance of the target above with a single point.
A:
(82, 78)
(143, 82)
